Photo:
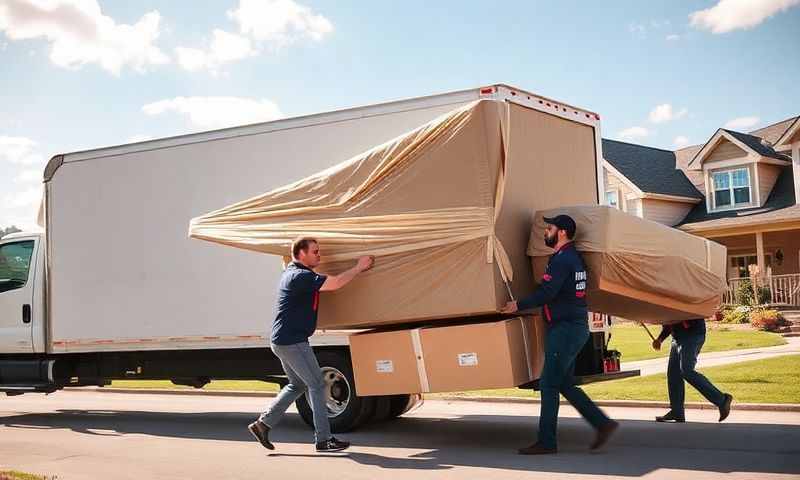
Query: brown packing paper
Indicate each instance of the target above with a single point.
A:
(445, 209)
(638, 269)
(499, 354)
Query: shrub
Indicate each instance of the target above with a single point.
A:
(744, 293)
(740, 314)
(765, 319)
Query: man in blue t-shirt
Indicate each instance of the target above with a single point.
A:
(295, 321)
(562, 297)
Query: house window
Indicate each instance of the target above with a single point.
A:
(731, 188)
(612, 198)
(740, 263)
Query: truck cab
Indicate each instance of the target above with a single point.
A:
(22, 306)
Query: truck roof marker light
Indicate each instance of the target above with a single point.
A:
(487, 91)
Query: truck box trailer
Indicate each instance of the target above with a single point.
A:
(114, 289)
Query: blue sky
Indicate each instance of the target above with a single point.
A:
(77, 74)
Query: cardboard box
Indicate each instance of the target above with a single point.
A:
(475, 356)
(639, 269)
(447, 226)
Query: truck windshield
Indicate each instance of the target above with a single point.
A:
(15, 261)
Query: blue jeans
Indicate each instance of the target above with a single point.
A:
(305, 377)
(682, 360)
(563, 342)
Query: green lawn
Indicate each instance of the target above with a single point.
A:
(773, 380)
(12, 475)
(634, 343)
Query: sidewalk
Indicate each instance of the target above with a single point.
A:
(659, 365)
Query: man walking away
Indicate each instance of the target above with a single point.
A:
(688, 338)
(295, 321)
(562, 294)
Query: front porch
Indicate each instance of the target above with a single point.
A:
(782, 291)
(774, 257)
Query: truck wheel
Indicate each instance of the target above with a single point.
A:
(346, 410)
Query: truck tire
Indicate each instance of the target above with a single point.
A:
(346, 410)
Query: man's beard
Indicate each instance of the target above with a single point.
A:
(550, 241)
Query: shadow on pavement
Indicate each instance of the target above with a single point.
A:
(486, 441)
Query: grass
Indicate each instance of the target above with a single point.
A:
(634, 343)
(773, 380)
(12, 475)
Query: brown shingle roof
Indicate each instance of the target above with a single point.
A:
(775, 131)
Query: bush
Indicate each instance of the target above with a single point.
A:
(740, 314)
(744, 293)
(764, 295)
(766, 319)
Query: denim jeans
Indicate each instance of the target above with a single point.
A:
(305, 377)
(682, 360)
(563, 342)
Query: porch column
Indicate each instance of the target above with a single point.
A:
(796, 171)
(760, 253)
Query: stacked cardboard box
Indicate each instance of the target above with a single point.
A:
(497, 354)
(445, 210)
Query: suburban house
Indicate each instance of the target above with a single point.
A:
(739, 189)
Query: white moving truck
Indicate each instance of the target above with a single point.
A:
(114, 288)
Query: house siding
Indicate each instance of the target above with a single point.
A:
(726, 150)
(664, 211)
(767, 175)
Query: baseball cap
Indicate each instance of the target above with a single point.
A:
(563, 222)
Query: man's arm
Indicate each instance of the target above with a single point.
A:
(547, 291)
(335, 282)
(666, 331)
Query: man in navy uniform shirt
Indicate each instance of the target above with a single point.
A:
(295, 321)
(688, 338)
(562, 296)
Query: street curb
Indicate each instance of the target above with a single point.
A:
(764, 407)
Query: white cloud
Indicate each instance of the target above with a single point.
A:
(633, 133)
(80, 34)
(637, 30)
(279, 22)
(681, 141)
(225, 47)
(19, 150)
(29, 176)
(729, 15)
(217, 112)
(742, 123)
(664, 113)
(673, 38)
(25, 199)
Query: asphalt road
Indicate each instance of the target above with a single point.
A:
(95, 435)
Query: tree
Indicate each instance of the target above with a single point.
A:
(8, 231)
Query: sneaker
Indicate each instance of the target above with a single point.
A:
(725, 408)
(260, 430)
(332, 445)
(670, 417)
(603, 434)
(537, 449)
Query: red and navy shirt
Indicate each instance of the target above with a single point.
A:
(297, 306)
(562, 293)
